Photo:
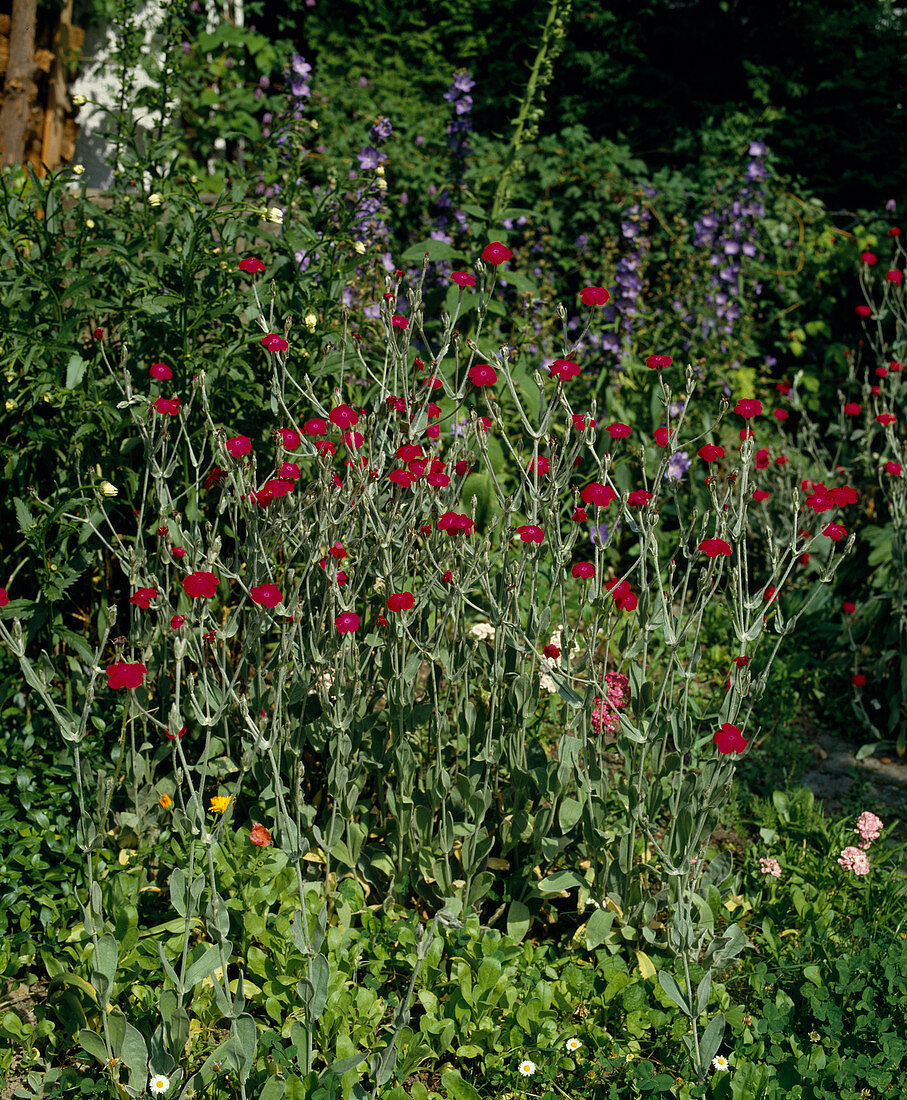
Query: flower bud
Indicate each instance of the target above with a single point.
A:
(109, 490)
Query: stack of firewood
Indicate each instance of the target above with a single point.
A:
(36, 59)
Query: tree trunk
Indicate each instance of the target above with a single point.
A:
(19, 88)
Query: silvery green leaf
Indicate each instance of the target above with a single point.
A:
(703, 992)
(710, 1042)
(669, 984)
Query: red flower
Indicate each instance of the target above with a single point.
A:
(762, 458)
(849, 608)
(594, 296)
(618, 430)
(289, 470)
(769, 594)
(177, 621)
(583, 570)
(781, 460)
(167, 406)
(200, 585)
(894, 231)
(781, 414)
(540, 465)
(747, 433)
(353, 440)
(463, 279)
(658, 362)
(455, 523)
(337, 551)
(886, 418)
(399, 321)
(239, 445)
(122, 674)
(482, 375)
(598, 494)
(447, 576)
(400, 601)
(180, 733)
(747, 407)
(216, 475)
(621, 594)
(858, 680)
(290, 439)
(273, 342)
(143, 597)
(895, 366)
(852, 408)
(259, 835)
(863, 311)
(895, 276)
(660, 435)
(783, 388)
(893, 468)
(761, 494)
(711, 452)
(803, 559)
(401, 478)
(268, 595)
(579, 515)
(741, 662)
(178, 552)
(551, 652)
(530, 533)
(346, 622)
(564, 369)
(712, 548)
(729, 739)
(343, 416)
(251, 265)
(868, 258)
(580, 420)
(834, 531)
(161, 372)
(639, 497)
(496, 253)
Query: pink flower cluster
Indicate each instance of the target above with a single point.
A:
(769, 866)
(869, 827)
(854, 859)
(604, 710)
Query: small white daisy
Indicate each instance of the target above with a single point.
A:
(527, 1068)
(629, 1058)
(573, 1044)
(720, 1062)
(159, 1084)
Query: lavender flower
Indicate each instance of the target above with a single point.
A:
(678, 464)
(381, 130)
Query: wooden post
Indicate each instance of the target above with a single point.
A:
(52, 136)
(19, 86)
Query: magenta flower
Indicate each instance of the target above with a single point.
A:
(268, 595)
(530, 533)
(123, 674)
(347, 622)
(239, 445)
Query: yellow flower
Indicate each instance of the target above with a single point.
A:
(108, 490)
(78, 169)
(359, 248)
(311, 320)
(166, 801)
(155, 198)
(219, 803)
